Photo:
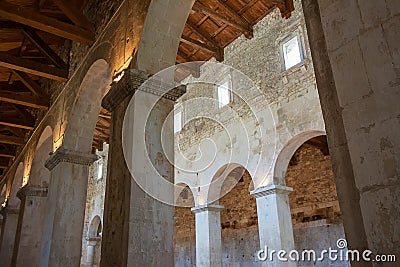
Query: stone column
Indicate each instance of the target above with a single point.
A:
(115, 234)
(274, 222)
(63, 225)
(9, 229)
(129, 211)
(27, 241)
(90, 251)
(208, 235)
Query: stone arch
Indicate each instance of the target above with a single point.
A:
(83, 116)
(95, 227)
(287, 152)
(15, 185)
(39, 174)
(224, 180)
(162, 31)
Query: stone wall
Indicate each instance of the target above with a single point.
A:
(95, 201)
(314, 208)
(314, 194)
(293, 101)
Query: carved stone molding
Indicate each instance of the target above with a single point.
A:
(133, 80)
(207, 207)
(32, 190)
(128, 84)
(70, 156)
(163, 89)
(271, 189)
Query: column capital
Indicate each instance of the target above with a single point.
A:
(133, 80)
(32, 190)
(207, 207)
(129, 83)
(271, 189)
(70, 156)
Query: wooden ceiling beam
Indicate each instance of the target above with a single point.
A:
(7, 152)
(4, 163)
(247, 6)
(32, 67)
(182, 55)
(17, 123)
(71, 10)
(225, 6)
(43, 47)
(32, 18)
(23, 112)
(202, 33)
(24, 100)
(15, 131)
(247, 30)
(11, 140)
(199, 45)
(285, 6)
(33, 86)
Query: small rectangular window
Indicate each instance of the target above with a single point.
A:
(100, 170)
(292, 52)
(177, 121)
(224, 94)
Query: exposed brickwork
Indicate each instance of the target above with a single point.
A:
(314, 194)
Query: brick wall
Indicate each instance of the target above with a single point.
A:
(314, 194)
(314, 207)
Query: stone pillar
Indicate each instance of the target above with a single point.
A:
(27, 241)
(274, 221)
(9, 229)
(63, 226)
(115, 234)
(208, 235)
(129, 211)
(90, 251)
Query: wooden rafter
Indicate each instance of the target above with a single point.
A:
(23, 99)
(32, 67)
(4, 163)
(7, 152)
(32, 36)
(11, 140)
(17, 123)
(31, 84)
(246, 29)
(205, 47)
(71, 10)
(32, 18)
(285, 6)
(202, 33)
(23, 112)
(16, 132)
(234, 19)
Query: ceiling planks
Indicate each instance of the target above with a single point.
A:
(32, 18)
(32, 33)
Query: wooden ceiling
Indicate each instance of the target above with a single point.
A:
(31, 35)
(214, 24)
(32, 32)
